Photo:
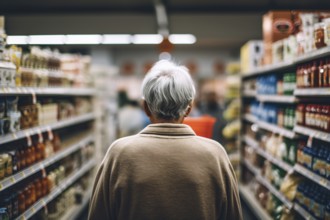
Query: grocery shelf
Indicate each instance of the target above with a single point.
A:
(267, 184)
(269, 69)
(249, 93)
(254, 205)
(312, 92)
(70, 91)
(276, 129)
(44, 128)
(56, 191)
(285, 166)
(276, 98)
(251, 167)
(312, 176)
(74, 212)
(250, 141)
(288, 64)
(250, 118)
(304, 213)
(274, 191)
(324, 136)
(12, 180)
(319, 53)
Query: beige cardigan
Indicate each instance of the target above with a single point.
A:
(165, 172)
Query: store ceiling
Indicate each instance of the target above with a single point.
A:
(215, 23)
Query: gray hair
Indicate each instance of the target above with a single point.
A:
(168, 90)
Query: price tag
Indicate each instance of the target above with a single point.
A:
(43, 172)
(12, 180)
(33, 210)
(44, 204)
(14, 135)
(310, 140)
(34, 97)
(50, 133)
(22, 174)
(323, 182)
(28, 138)
(1, 186)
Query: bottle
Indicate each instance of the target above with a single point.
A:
(321, 74)
(2, 167)
(325, 73)
(15, 204)
(38, 188)
(21, 202)
(292, 155)
(327, 212)
(23, 155)
(300, 114)
(314, 75)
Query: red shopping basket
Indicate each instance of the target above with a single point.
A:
(203, 125)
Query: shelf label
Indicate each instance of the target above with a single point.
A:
(50, 133)
(28, 138)
(12, 180)
(41, 138)
(14, 135)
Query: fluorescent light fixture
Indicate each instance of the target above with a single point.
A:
(46, 39)
(17, 40)
(182, 39)
(83, 39)
(147, 39)
(117, 39)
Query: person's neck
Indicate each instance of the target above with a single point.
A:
(171, 121)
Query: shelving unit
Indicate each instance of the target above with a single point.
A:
(57, 191)
(249, 93)
(312, 176)
(253, 203)
(276, 98)
(276, 129)
(267, 184)
(313, 133)
(75, 211)
(269, 127)
(299, 95)
(47, 91)
(323, 92)
(303, 212)
(269, 68)
(250, 118)
(16, 178)
(44, 128)
(285, 166)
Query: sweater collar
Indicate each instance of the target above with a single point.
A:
(168, 129)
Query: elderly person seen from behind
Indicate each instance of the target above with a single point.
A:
(166, 171)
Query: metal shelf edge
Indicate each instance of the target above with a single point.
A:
(65, 91)
(14, 179)
(43, 128)
(312, 176)
(56, 191)
(312, 132)
(253, 203)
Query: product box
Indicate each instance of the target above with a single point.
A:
(276, 25)
(251, 55)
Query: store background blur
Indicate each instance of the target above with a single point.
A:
(262, 92)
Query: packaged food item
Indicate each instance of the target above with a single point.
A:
(319, 35)
(289, 186)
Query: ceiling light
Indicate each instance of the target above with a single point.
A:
(17, 40)
(46, 39)
(147, 39)
(117, 39)
(83, 39)
(182, 39)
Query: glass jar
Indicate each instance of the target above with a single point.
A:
(21, 202)
(319, 35)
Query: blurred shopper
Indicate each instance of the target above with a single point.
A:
(166, 171)
(210, 106)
